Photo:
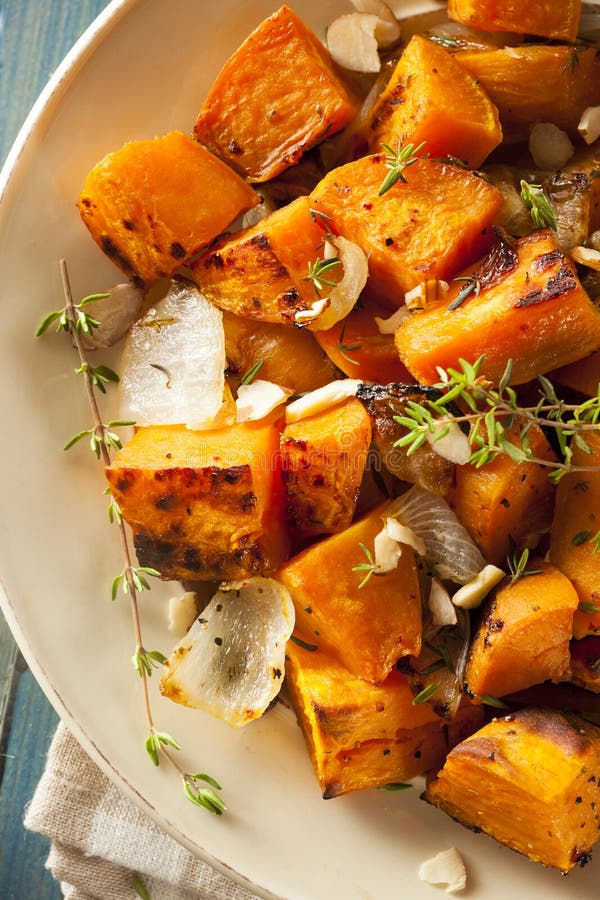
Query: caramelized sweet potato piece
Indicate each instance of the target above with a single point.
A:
(153, 204)
(576, 525)
(323, 460)
(261, 272)
(277, 96)
(395, 229)
(544, 18)
(366, 628)
(582, 376)
(431, 98)
(204, 505)
(566, 697)
(361, 735)
(424, 467)
(357, 347)
(291, 356)
(537, 83)
(530, 780)
(505, 499)
(524, 636)
(585, 668)
(530, 308)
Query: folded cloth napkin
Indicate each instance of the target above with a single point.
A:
(102, 846)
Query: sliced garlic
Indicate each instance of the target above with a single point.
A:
(386, 552)
(550, 146)
(116, 314)
(323, 398)
(307, 316)
(454, 445)
(472, 594)
(231, 662)
(258, 399)
(443, 611)
(426, 292)
(352, 43)
(405, 535)
(182, 613)
(586, 257)
(446, 868)
(389, 326)
(387, 31)
(589, 124)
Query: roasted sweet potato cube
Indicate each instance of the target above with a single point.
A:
(545, 18)
(585, 668)
(323, 459)
(415, 230)
(575, 536)
(526, 304)
(537, 83)
(530, 780)
(204, 505)
(505, 500)
(582, 376)
(277, 96)
(153, 204)
(431, 98)
(261, 272)
(366, 628)
(524, 635)
(362, 735)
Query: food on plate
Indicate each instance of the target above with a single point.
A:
(344, 415)
(530, 780)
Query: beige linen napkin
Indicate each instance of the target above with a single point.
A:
(100, 841)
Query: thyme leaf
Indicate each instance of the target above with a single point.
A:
(540, 208)
(397, 161)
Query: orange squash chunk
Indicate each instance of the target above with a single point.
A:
(582, 376)
(530, 780)
(276, 97)
(505, 499)
(367, 629)
(524, 636)
(545, 18)
(323, 460)
(576, 523)
(153, 204)
(261, 272)
(357, 347)
(204, 505)
(537, 83)
(431, 98)
(361, 735)
(531, 308)
(395, 229)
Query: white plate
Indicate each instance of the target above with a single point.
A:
(143, 69)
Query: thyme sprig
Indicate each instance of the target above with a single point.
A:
(251, 374)
(517, 564)
(370, 567)
(74, 321)
(346, 349)
(397, 161)
(472, 285)
(540, 209)
(497, 423)
(317, 270)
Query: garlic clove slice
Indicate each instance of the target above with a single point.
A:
(323, 398)
(352, 43)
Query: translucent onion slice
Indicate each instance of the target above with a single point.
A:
(172, 371)
(231, 662)
(449, 547)
(257, 400)
(116, 314)
(387, 30)
(325, 313)
(352, 43)
(323, 398)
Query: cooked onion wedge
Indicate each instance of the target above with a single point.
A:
(352, 43)
(327, 312)
(172, 371)
(231, 662)
(116, 314)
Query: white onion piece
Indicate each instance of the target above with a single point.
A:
(453, 446)
(586, 257)
(322, 398)
(405, 535)
(387, 30)
(116, 314)
(446, 868)
(257, 400)
(472, 594)
(389, 326)
(172, 371)
(449, 547)
(231, 662)
(344, 295)
(550, 146)
(589, 124)
(352, 43)
(441, 607)
(182, 613)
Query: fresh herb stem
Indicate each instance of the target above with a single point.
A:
(397, 161)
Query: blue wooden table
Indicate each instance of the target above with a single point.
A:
(34, 37)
